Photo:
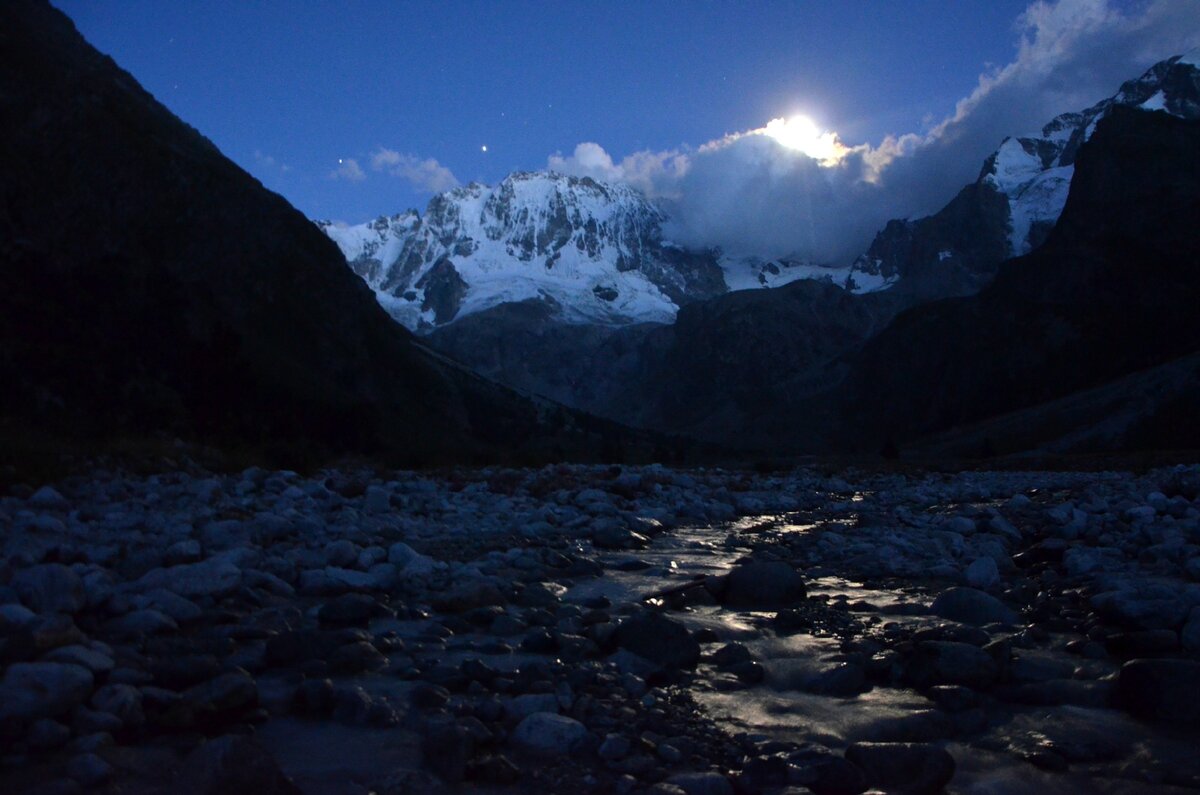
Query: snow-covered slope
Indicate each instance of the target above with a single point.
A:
(594, 251)
(1018, 197)
(1034, 171)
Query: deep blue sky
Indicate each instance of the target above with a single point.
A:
(304, 84)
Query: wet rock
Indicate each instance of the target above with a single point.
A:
(983, 573)
(469, 595)
(953, 698)
(661, 640)
(914, 768)
(949, 663)
(764, 585)
(844, 679)
(1029, 666)
(1161, 690)
(549, 734)
(1059, 692)
(1143, 643)
(761, 773)
(43, 689)
(828, 775)
(731, 654)
(972, 606)
(614, 747)
(232, 765)
(50, 588)
(912, 727)
(702, 783)
(1144, 605)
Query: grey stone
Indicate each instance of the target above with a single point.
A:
(43, 689)
(914, 768)
(661, 640)
(937, 662)
(549, 733)
(89, 770)
(764, 585)
(709, 783)
(232, 765)
(1161, 690)
(50, 588)
(213, 577)
(982, 573)
(972, 606)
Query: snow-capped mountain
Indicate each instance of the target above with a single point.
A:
(1018, 197)
(593, 251)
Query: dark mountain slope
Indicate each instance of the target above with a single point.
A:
(148, 284)
(1114, 290)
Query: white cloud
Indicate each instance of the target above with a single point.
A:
(269, 162)
(427, 175)
(747, 193)
(349, 170)
(656, 174)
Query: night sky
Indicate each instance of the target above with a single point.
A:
(351, 110)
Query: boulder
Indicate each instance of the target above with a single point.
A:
(1161, 690)
(915, 768)
(972, 606)
(764, 585)
(659, 639)
(50, 588)
(983, 573)
(943, 662)
(43, 689)
(548, 733)
(232, 765)
(212, 577)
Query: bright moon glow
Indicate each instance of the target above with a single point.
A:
(803, 135)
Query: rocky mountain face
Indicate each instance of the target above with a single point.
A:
(148, 285)
(813, 368)
(1020, 193)
(593, 252)
(1111, 293)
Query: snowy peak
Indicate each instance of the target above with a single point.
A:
(1017, 199)
(1034, 172)
(593, 252)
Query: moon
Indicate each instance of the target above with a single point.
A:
(802, 134)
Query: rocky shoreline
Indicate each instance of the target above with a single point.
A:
(601, 629)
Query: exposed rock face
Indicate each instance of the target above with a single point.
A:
(148, 284)
(1113, 291)
(594, 251)
(1021, 191)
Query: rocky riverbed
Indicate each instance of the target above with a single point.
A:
(595, 629)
